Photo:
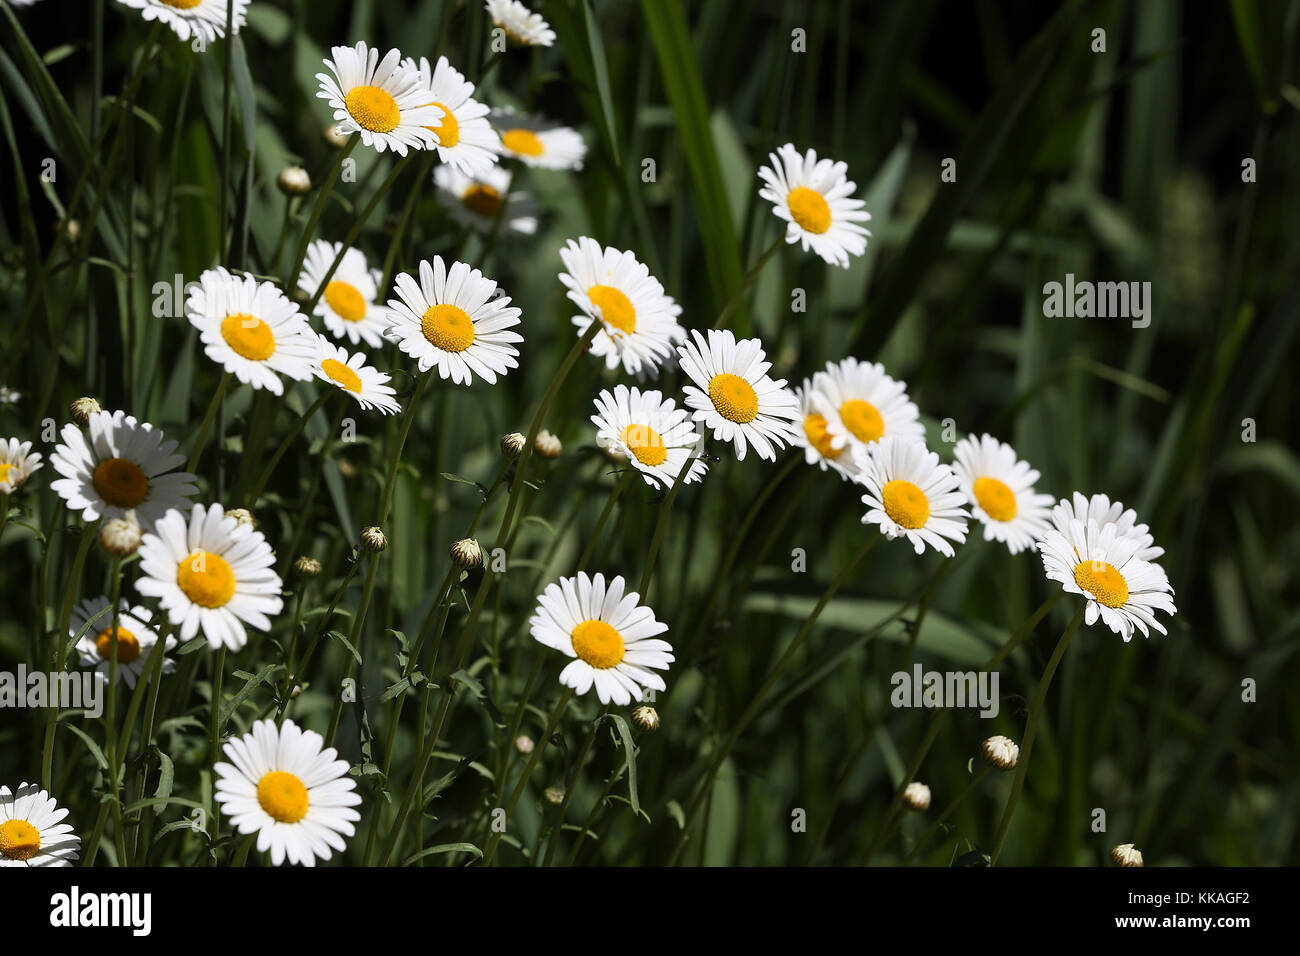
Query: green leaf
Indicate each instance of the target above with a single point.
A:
(262, 677)
(629, 761)
(443, 848)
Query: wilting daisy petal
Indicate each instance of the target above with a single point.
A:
(31, 829)
(284, 785)
(862, 404)
(466, 140)
(453, 319)
(204, 20)
(820, 447)
(251, 329)
(813, 197)
(387, 103)
(520, 24)
(1101, 509)
(651, 432)
(610, 286)
(119, 468)
(17, 463)
(349, 305)
(1102, 562)
(735, 398)
(352, 375)
(535, 142)
(210, 574)
(610, 636)
(479, 200)
(135, 639)
(911, 494)
(1000, 490)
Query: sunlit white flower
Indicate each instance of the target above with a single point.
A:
(284, 785)
(911, 494)
(820, 447)
(17, 463)
(466, 140)
(350, 303)
(31, 831)
(251, 329)
(211, 574)
(814, 198)
(520, 24)
(204, 20)
(119, 468)
(734, 396)
(1101, 509)
(656, 436)
(136, 637)
(536, 142)
(352, 375)
(863, 404)
(479, 200)
(610, 636)
(639, 321)
(384, 101)
(454, 319)
(1000, 490)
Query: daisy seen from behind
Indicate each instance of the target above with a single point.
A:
(32, 831)
(651, 432)
(284, 785)
(1000, 490)
(203, 20)
(466, 140)
(477, 201)
(386, 103)
(350, 374)
(453, 319)
(814, 198)
(538, 143)
(17, 463)
(821, 448)
(609, 634)
(211, 574)
(734, 397)
(349, 303)
(520, 24)
(912, 495)
(135, 638)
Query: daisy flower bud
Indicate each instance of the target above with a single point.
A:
(467, 553)
(294, 181)
(82, 409)
(917, 796)
(335, 136)
(548, 445)
(307, 566)
(243, 516)
(1126, 854)
(374, 539)
(1001, 752)
(555, 795)
(120, 537)
(646, 717)
(524, 744)
(512, 445)
(70, 228)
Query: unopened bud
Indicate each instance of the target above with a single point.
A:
(467, 553)
(1126, 854)
(646, 717)
(555, 795)
(547, 445)
(524, 744)
(294, 181)
(373, 539)
(307, 566)
(917, 796)
(82, 409)
(335, 137)
(1001, 752)
(512, 445)
(242, 516)
(120, 537)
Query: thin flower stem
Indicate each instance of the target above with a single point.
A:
(250, 499)
(310, 229)
(421, 177)
(750, 278)
(948, 811)
(354, 639)
(1031, 730)
(395, 453)
(662, 523)
(58, 658)
(214, 727)
(223, 250)
(110, 712)
(618, 489)
(579, 759)
(320, 630)
(206, 425)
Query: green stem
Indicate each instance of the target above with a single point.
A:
(61, 647)
(579, 759)
(310, 229)
(662, 523)
(948, 811)
(255, 492)
(206, 425)
(750, 278)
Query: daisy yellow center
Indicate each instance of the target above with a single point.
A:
(5, 469)
(905, 503)
(206, 579)
(997, 500)
(733, 397)
(646, 443)
(809, 209)
(598, 644)
(373, 108)
(346, 301)
(182, 4)
(344, 376)
(449, 327)
(19, 840)
(128, 648)
(814, 426)
(615, 309)
(1102, 581)
(121, 483)
(862, 419)
(482, 199)
(282, 796)
(249, 336)
(522, 141)
(448, 132)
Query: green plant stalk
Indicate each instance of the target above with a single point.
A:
(750, 278)
(206, 426)
(579, 759)
(223, 250)
(110, 713)
(310, 229)
(250, 499)
(354, 638)
(214, 727)
(605, 512)
(662, 523)
(948, 811)
(320, 631)
(88, 535)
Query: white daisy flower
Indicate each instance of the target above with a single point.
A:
(120, 468)
(350, 303)
(537, 143)
(454, 319)
(1101, 509)
(477, 201)
(211, 574)
(609, 635)
(294, 793)
(911, 494)
(1000, 490)
(639, 320)
(135, 638)
(466, 140)
(820, 447)
(386, 102)
(520, 24)
(735, 397)
(367, 385)
(813, 198)
(863, 404)
(251, 329)
(1101, 562)
(651, 432)
(203, 20)
(17, 463)
(31, 833)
